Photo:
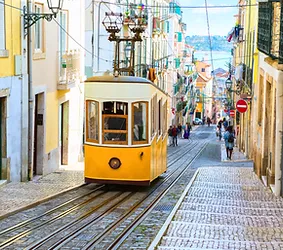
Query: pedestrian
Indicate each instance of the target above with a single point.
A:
(175, 136)
(170, 136)
(180, 130)
(187, 130)
(229, 142)
(203, 120)
(208, 121)
(225, 124)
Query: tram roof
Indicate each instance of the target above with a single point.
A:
(124, 79)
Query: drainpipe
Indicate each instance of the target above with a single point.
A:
(30, 98)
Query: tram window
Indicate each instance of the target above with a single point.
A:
(140, 122)
(92, 122)
(115, 119)
(159, 118)
(153, 115)
(119, 108)
(164, 120)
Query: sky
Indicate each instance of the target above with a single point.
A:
(221, 20)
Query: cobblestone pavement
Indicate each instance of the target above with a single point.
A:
(16, 196)
(224, 208)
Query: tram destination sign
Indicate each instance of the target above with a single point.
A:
(242, 106)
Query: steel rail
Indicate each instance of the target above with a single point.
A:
(83, 227)
(11, 240)
(109, 229)
(69, 237)
(26, 222)
(128, 230)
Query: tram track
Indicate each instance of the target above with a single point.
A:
(120, 239)
(13, 229)
(109, 228)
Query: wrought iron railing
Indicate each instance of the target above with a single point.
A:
(270, 29)
(264, 27)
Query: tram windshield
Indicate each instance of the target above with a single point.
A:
(115, 122)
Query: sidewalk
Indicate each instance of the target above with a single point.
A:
(224, 208)
(16, 196)
(237, 156)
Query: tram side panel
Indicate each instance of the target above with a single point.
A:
(135, 164)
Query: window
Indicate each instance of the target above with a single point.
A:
(202, 69)
(62, 33)
(164, 119)
(2, 27)
(38, 30)
(92, 121)
(153, 115)
(159, 118)
(140, 122)
(115, 123)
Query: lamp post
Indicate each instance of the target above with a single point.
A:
(32, 18)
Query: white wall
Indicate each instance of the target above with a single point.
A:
(13, 124)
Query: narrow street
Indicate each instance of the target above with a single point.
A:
(126, 217)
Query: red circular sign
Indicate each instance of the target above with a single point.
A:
(241, 106)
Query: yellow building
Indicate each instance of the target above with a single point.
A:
(13, 95)
(260, 128)
(57, 93)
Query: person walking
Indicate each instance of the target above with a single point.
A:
(180, 130)
(175, 136)
(187, 130)
(225, 124)
(208, 121)
(229, 142)
(170, 136)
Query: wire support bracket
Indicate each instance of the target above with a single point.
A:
(31, 18)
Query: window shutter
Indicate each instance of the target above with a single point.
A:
(2, 26)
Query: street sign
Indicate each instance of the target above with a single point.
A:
(232, 113)
(241, 106)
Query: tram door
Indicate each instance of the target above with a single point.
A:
(3, 140)
(38, 143)
(64, 132)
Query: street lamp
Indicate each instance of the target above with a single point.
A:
(228, 85)
(31, 18)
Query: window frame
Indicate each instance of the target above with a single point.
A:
(3, 17)
(104, 131)
(40, 24)
(87, 139)
(147, 124)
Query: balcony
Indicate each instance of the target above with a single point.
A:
(183, 27)
(270, 29)
(156, 24)
(69, 69)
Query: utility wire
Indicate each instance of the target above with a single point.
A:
(78, 42)
(184, 6)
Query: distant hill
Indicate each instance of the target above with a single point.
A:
(219, 43)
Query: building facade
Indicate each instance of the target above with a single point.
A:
(258, 79)
(13, 95)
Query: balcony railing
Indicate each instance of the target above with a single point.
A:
(270, 29)
(156, 24)
(69, 69)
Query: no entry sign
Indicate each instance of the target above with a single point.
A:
(241, 106)
(232, 113)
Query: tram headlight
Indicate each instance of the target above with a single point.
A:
(114, 163)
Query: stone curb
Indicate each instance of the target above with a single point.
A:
(163, 229)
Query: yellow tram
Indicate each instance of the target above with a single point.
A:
(126, 130)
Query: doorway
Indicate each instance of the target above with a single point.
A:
(64, 132)
(38, 144)
(3, 139)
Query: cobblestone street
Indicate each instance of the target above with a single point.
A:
(224, 208)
